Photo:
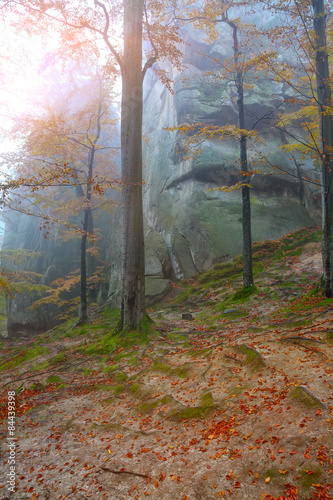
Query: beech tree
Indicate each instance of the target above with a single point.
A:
(148, 20)
(68, 148)
(324, 101)
(303, 29)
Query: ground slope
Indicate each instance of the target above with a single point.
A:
(228, 394)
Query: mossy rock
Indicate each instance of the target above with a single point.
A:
(180, 371)
(121, 376)
(305, 398)
(147, 406)
(139, 390)
(195, 412)
(38, 386)
(72, 425)
(118, 389)
(161, 367)
(201, 353)
(253, 357)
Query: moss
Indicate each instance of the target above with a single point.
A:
(159, 366)
(25, 355)
(40, 366)
(1, 345)
(121, 376)
(220, 271)
(329, 336)
(299, 395)
(105, 387)
(135, 388)
(275, 475)
(177, 336)
(199, 353)
(119, 389)
(140, 390)
(207, 403)
(105, 345)
(147, 406)
(307, 480)
(243, 295)
(124, 355)
(252, 357)
(181, 371)
(109, 369)
(59, 358)
(53, 379)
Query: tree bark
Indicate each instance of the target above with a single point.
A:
(324, 99)
(246, 202)
(87, 225)
(133, 274)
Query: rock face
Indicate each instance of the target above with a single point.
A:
(184, 200)
(48, 259)
(191, 220)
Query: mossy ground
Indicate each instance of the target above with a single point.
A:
(207, 408)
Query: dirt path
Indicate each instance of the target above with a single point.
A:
(237, 407)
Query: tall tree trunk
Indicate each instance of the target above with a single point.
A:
(86, 225)
(133, 275)
(246, 202)
(325, 100)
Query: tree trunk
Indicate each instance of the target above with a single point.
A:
(133, 275)
(324, 98)
(246, 205)
(87, 219)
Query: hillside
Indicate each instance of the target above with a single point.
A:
(226, 394)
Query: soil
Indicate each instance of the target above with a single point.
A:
(237, 407)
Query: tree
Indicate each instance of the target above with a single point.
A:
(162, 37)
(324, 101)
(66, 149)
(308, 77)
(246, 204)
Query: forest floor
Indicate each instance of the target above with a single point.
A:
(228, 394)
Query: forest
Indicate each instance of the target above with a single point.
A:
(166, 255)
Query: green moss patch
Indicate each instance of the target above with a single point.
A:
(25, 355)
(53, 379)
(310, 475)
(195, 412)
(253, 357)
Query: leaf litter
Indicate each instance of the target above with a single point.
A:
(236, 405)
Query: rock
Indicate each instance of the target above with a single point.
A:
(187, 316)
(156, 289)
(230, 311)
(38, 386)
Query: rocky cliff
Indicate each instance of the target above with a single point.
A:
(185, 204)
